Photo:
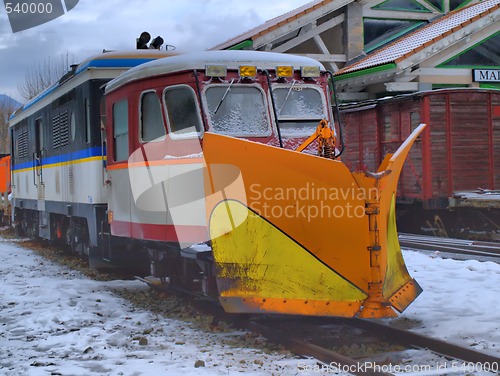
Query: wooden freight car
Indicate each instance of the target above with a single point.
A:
(459, 152)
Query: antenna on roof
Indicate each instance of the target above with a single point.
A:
(142, 41)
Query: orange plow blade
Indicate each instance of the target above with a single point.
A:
(299, 234)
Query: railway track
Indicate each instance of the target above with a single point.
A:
(329, 340)
(477, 249)
(355, 346)
(381, 350)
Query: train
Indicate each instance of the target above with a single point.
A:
(5, 212)
(449, 185)
(220, 172)
(58, 153)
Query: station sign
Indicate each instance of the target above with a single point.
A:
(486, 75)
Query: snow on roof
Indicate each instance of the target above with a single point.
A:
(108, 63)
(198, 60)
(118, 59)
(425, 36)
(274, 23)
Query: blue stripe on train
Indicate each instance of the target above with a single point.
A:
(62, 158)
(113, 63)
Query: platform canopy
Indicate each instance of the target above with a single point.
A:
(379, 47)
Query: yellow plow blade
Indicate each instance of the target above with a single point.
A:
(299, 234)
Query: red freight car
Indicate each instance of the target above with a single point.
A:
(450, 177)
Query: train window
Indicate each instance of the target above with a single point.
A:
(39, 134)
(299, 108)
(72, 126)
(391, 123)
(151, 127)
(237, 110)
(120, 130)
(87, 120)
(183, 114)
(386, 131)
(415, 120)
(103, 122)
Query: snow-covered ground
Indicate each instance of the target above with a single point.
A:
(55, 321)
(460, 302)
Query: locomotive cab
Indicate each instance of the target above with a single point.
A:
(238, 149)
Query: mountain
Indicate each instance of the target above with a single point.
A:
(5, 101)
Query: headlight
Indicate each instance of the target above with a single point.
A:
(284, 71)
(247, 71)
(216, 70)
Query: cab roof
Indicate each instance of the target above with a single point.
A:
(105, 65)
(198, 61)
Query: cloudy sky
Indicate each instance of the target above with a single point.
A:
(94, 25)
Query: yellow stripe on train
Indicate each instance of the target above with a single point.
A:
(60, 164)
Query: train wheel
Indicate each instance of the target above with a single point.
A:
(18, 223)
(82, 248)
(29, 224)
(79, 237)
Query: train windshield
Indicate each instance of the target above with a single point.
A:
(299, 108)
(237, 110)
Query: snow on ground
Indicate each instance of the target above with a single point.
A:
(55, 321)
(460, 302)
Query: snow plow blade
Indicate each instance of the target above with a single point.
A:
(299, 234)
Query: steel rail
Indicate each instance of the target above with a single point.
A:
(459, 246)
(329, 357)
(396, 336)
(409, 338)
(303, 348)
(296, 346)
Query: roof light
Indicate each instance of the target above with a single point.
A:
(284, 71)
(310, 71)
(142, 41)
(216, 70)
(247, 71)
(156, 43)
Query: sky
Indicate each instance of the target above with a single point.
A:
(54, 320)
(93, 25)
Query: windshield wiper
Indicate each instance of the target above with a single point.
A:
(287, 95)
(224, 96)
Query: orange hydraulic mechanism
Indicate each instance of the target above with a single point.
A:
(295, 233)
(326, 140)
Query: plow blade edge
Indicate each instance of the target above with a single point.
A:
(298, 234)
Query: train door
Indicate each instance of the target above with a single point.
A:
(38, 156)
(117, 163)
